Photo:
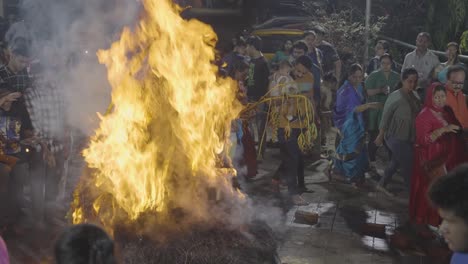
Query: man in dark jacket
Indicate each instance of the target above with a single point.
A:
(257, 84)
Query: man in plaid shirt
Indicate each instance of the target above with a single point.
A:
(46, 108)
(14, 75)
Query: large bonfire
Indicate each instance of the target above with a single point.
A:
(158, 154)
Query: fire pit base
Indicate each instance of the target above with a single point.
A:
(203, 245)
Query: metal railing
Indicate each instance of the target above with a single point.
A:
(463, 58)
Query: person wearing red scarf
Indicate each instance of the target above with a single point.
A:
(439, 148)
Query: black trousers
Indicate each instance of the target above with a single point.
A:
(292, 160)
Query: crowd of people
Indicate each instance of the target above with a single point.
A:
(419, 115)
(33, 137)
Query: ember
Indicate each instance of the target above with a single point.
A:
(203, 245)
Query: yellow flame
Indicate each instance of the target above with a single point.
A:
(159, 146)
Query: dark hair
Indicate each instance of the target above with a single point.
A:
(84, 244)
(386, 55)
(305, 60)
(255, 41)
(453, 44)
(284, 63)
(20, 47)
(405, 75)
(457, 48)
(439, 88)
(425, 34)
(239, 42)
(309, 32)
(449, 192)
(330, 77)
(354, 68)
(284, 44)
(300, 45)
(320, 30)
(454, 69)
(408, 72)
(238, 66)
(385, 45)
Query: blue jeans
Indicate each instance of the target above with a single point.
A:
(292, 160)
(402, 158)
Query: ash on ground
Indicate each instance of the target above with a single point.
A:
(204, 245)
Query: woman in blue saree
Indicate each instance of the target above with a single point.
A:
(351, 159)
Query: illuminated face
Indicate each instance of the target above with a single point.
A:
(455, 231)
(18, 62)
(310, 41)
(379, 49)
(386, 64)
(422, 42)
(411, 82)
(300, 70)
(356, 78)
(439, 98)
(240, 75)
(288, 45)
(457, 80)
(452, 52)
(241, 50)
(250, 50)
(297, 53)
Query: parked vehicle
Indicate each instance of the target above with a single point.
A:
(274, 38)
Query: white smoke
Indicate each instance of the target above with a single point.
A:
(66, 35)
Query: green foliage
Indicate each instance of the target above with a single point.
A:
(347, 31)
(445, 20)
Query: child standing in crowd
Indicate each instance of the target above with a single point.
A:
(282, 83)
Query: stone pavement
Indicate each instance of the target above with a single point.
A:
(338, 237)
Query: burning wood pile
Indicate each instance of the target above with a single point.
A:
(154, 181)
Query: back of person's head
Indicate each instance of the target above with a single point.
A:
(84, 244)
(300, 44)
(255, 41)
(450, 193)
(454, 69)
(305, 61)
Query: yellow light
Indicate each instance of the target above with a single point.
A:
(170, 121)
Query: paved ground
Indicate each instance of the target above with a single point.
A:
(338, 237)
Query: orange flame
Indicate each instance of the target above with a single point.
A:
(159, 148)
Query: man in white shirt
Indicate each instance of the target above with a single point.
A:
(422, 59)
